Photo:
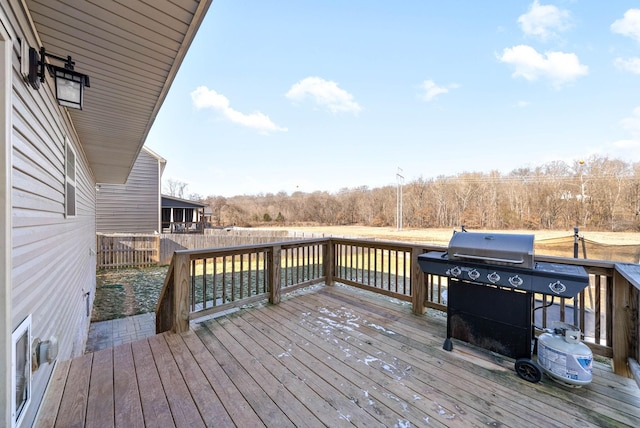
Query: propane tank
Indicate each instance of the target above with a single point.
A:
(564, 357)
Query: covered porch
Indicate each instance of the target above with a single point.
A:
(182, 216)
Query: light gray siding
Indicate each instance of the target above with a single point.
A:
(48, 259)
(53, 257)
(133, 207)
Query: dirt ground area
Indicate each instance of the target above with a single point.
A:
(127, 292)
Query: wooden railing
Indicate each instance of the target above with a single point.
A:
(388, 268)
(204, 282)
(183, 227)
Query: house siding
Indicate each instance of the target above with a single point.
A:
(132, 207)
(53, 257)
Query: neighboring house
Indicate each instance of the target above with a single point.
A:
(133, 207)
(182, 216)
(52, 157)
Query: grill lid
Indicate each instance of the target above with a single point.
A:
(493, 248)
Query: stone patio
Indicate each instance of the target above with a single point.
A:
(106, 334)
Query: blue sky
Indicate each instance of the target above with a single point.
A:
(307, 95)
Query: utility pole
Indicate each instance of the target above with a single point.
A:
(400, 181)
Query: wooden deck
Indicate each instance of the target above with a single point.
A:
(334, 357)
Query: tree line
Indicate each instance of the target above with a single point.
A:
(599, 194)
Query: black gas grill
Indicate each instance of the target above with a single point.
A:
(505, 260)
(492, 282)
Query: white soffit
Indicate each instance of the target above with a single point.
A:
(131, 51)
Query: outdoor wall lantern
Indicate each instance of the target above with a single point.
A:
(69, 83)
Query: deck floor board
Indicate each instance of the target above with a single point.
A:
(183, 408)
(73, 406)
(331, 356)
(125, 388)
(100, 386)
(153, 399)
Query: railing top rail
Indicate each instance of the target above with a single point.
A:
(386, 244)
(381, 244)
(128, 235)
(630, 272)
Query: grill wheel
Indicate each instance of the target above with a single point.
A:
(528, 370)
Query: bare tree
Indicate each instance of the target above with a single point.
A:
(599, 193)
(175, 188)
(216, 204)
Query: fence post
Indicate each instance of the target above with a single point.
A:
(181, 293)
(418, 287)
(275, 272)
(623, 322)
(328, 259)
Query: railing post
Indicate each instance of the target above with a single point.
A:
(418, 287)
(181, 293)
(275, 272)
(329, 262)
(623, 323)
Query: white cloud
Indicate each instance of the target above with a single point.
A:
(632, 64)
(544, 21)
(627, 144)
(632, 124)
(558, 67)
(323, 93)
(432, 90)
(522, 104)
(204, 97)
(629, 25)
(629, 147)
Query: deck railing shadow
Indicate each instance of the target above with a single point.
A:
(207, 281)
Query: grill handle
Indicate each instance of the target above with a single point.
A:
(488, 259)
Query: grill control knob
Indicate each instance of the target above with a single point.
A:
(493, 277)
(557, 287)
(516, 281)
(456, 271)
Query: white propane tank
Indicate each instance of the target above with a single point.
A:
(564, 357)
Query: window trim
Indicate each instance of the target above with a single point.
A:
(68, 181)
(17, 415)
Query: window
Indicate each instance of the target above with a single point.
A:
(70, 180)
(21, 371)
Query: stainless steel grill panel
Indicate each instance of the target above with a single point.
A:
(492, 248)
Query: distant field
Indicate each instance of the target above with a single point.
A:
(442, 236)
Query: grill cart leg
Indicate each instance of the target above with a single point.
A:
(448, 345)
(528, 370)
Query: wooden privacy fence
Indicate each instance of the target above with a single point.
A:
(125, 251)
